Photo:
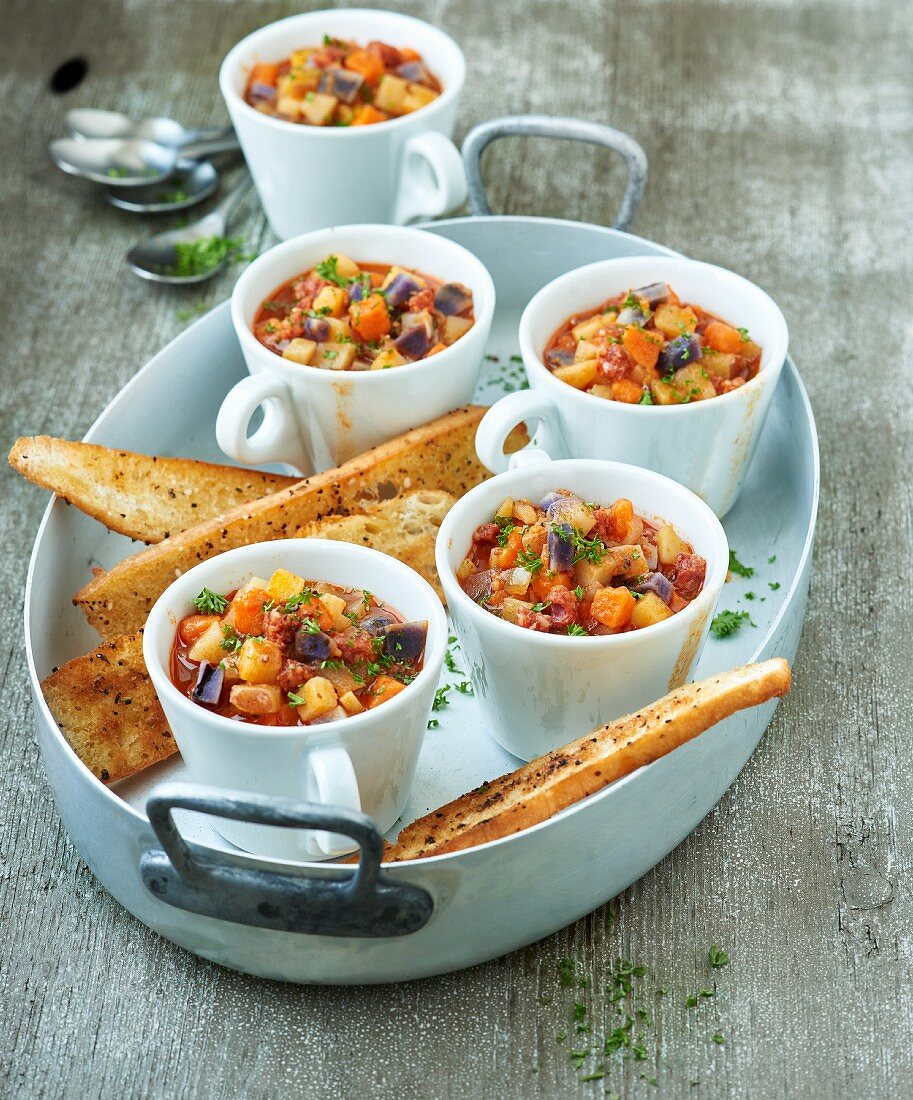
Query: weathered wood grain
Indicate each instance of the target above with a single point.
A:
(780, 138)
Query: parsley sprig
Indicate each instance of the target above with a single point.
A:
(210, 603)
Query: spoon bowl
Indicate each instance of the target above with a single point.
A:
(92, 122)
(130, 162)
(192, 183)
(159, 258)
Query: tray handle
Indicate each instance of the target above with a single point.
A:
(565, 129)
(366, 902)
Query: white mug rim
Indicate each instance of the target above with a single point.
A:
(774, 353)
(483, 313)
(157, 621)
(509, 479)
(233, 61)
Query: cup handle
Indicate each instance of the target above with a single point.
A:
(278, 438)
(501, 419)
(432, 178)
(329, 780)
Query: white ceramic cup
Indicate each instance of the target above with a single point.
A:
(365, 762)
(314, 419)
(310, 177)
(705, 445)
(538, 691)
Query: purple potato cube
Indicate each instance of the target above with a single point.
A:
(413, 343)
(452, 299)
(208, 688)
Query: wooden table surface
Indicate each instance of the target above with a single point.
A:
(780, 139)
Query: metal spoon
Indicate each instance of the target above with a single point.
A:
(134, 162)
(91, 122)
(156, 257)
(195, 180)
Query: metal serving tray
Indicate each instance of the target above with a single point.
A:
(330, 924)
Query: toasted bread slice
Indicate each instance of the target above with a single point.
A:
(107, 709)
(405, 528)
(542, 788)
(142, 496)
(439, 455)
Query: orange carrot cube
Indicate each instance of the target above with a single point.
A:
(643, 347)
(369, 65)
(384, 688)
(627, 391)
(723, 337)
(621, 516)
(370, 318)
(613, 607)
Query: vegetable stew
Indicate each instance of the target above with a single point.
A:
(341, 315)
(289, 652)
(343, 84)
(566, 566)
(647, 347)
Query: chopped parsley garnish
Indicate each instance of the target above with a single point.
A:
(327, 269)
(735, 566)
(465, 687)
(433, 723)
(645, 398)
(440, 698)
(231, 640)
(529, 561)
(771, 559)
(210, 603)
(294, 602)
(450, 662)
(578, 591)
(295, 700)
(203, 255)
(542, 605)
(743, 332)
(728, 622)
(575, 630)
(585, 549)
(717, 957)
(773, 585)
(507, 525)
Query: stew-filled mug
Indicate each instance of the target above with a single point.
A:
(315, 418)
(704, 445)
(310, 177)
(364, 762)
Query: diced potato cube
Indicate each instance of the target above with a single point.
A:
(525, 512)
(283, 585)
(579, 375)
(350, 703)
(585, 350)
(259, 661)
(511, 608)
(602, 391)
(591, 573)
(340, 329)
(319, 697)
(664, 394)
(668, 545)
(674, 320)
(341, 679)
(648, 610)
(718, 363)
(397, 270)
(465, 569)
(333, 715)
(346, 266)
(317, 108)
(416, 97)
(586, 330)
(289, 107)
(300, 58)
(300, 350)
(391, 94)
(332, 298)
(256, 699)
(627, 561)
(208, 647)
(693, 383)
(337, 607)
(506, 509)
(454, 328)
(389, 358)
(334, 356)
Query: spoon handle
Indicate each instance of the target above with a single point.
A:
(215, 133)
(198, 150)
(226, 207)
